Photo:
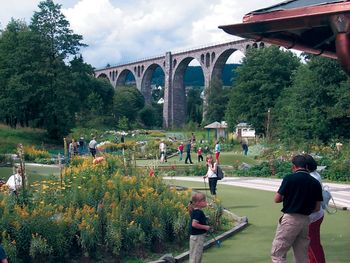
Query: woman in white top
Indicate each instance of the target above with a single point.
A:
(211, 174)
(316, 253)
(15, 181)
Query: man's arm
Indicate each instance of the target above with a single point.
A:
(197, 225)
(317, 207)
(278, 198)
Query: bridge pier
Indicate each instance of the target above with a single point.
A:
(212, 60)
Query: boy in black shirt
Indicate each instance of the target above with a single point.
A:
(198, 227)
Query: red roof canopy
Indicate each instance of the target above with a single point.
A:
(315, 26)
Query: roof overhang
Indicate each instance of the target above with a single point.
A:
(322, 28)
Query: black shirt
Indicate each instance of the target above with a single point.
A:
(300, 193)
(199, 216)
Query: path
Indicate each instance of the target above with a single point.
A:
(340, 192)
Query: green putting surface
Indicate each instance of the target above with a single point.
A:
(253, 244)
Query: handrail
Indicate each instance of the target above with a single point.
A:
(176, 52)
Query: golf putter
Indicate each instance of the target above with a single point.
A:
(217, 242)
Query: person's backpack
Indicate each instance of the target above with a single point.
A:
(219, 173)
(327, 197)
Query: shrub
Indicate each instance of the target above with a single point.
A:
(31, 153)
(94, 210)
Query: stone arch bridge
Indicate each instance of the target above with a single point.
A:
(212, 60)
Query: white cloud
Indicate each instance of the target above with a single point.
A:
(119, 31)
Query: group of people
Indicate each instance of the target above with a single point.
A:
(200, 158)
(298, 227)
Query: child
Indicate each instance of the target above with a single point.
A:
(181, 150)
(199, 155)
(198, 227)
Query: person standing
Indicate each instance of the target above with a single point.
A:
(200, 155)
(162, 149)
(15, 181)
(198, 227)
(92, 147)
(217, 150)
(81, 146)
(193, 138)
(188, 152)
(245, 147)
(315, 252)
(181, 150)
(70, 150)
(211, 174)
(3, 258)
(301, 195)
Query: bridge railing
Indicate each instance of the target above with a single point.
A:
(175, 52)
(130, 62)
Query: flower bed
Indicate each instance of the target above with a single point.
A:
(94, 212)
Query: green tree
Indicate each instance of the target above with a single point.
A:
(57, 43)
(194, 105)
(148, 116)
(128, 101)
(54, 30)
(261, 78)
(315, 106)
(19, 74)
(216, 101)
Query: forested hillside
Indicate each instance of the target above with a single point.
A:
(194, 76)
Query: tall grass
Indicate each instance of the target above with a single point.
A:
(9, 138)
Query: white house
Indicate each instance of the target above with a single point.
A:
(245, 130)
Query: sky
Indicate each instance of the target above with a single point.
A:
(121, 31)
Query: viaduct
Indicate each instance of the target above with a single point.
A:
(212, 60)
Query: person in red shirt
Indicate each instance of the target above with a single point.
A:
(181, 150)
(199, 155)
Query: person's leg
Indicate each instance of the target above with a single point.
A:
(180, 156)
(315, 252)
(212, 185)
(196, 248)
(302, 241)
(286, 233)
(186, 160)
(215, 181)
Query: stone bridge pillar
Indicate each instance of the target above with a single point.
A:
(167, 106)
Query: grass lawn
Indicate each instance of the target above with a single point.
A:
(226, 158)
(34, 173)
(9, 138)
(253, 244)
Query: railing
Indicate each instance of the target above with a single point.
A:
(175, 52)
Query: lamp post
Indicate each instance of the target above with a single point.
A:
(268, 124)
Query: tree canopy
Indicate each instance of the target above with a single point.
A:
(264, 74)
(39, 86)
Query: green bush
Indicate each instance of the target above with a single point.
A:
(95, 212)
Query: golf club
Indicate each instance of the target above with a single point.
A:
(217, 242)
(205, 187)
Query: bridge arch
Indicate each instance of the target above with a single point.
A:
(121, 78)
(146, 88)
(102, 75)
(219, 64)
(211, 59)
